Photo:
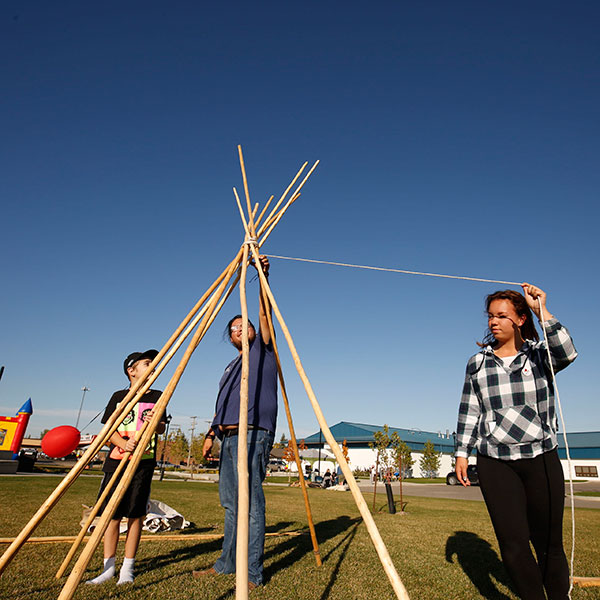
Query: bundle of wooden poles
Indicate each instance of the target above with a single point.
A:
(196, 324)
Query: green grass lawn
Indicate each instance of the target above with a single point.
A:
(442, 549)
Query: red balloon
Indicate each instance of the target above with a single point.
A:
(60, 441)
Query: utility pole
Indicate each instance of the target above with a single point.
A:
(84, 389)
(191, 439)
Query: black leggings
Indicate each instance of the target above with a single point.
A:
(525, 499)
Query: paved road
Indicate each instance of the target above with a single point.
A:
(427, 490)
(458, 492)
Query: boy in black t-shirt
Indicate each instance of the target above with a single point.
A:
(133, 504)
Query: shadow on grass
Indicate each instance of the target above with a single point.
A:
(289, 550)
(292, 550)
(346, 541)
(195, 551)
(480, 564)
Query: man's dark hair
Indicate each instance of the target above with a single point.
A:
(227, 332)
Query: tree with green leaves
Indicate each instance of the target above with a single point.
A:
(380, 443)
(282, 443)
(401, 454)
(430, 460)
(178, 446)
(195, 449)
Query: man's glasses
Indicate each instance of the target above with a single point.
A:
(239, 327)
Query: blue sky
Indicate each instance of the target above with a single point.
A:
(456, 138)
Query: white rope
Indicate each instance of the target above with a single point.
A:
(564, 432)
(251, 241)
(339, 264)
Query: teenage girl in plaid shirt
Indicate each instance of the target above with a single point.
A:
(507, 413)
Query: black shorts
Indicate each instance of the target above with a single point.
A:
(135, 500)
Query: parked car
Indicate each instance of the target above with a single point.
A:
(452, 479)
(276, 464)
(160, 463)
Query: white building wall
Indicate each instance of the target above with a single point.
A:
(580, 462)
(365, 458)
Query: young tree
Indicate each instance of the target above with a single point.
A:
(196, 449)
(401, 454)
(177, 447)
(345, 450)
(288, 455)
(430, 460)
(282, 443)
(380, 443)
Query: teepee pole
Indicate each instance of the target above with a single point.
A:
(86, 555)
(293, 439)
(272, 214)
(288, 204)
(243, 510)
(95, 510)
(263, 211)
(380, 547)
(96, 537)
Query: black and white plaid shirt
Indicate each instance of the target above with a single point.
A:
(507, 412)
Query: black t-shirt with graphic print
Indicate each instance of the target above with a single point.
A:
(151, 397)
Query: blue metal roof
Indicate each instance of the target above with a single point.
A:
(360, 434)
(582, 444)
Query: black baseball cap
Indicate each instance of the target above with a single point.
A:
(135, 356)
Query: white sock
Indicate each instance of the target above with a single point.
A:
(107, 573)
(126, 573)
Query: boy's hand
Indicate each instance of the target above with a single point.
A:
(130, 445)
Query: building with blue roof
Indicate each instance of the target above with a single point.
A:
(584, 447)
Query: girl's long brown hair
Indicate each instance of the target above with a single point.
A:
(528, 330)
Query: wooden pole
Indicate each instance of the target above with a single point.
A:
(78, 570)
(376, 475)
(380, 547)
(293, 440)
(84, 558)
(241, 554)
(271, 227)
(247, 193)
(272, 218)
(96, 509)
(263, 211)
(281, 199)
(587, 581)
(159, 537)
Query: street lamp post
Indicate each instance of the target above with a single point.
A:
(191, 442)
(162, 458)
(84, 389)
